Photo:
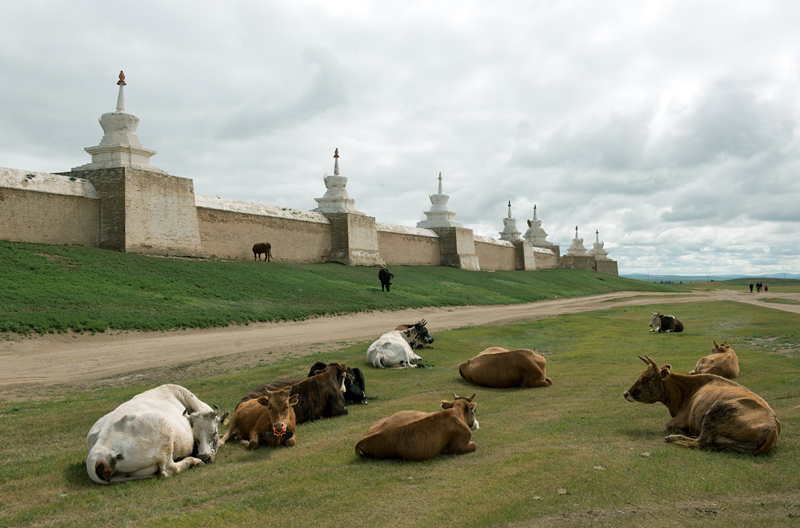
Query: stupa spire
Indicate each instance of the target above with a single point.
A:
(121, 96)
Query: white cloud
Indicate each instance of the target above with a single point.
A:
(670, 127)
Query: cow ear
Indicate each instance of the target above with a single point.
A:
(223, 419)
(473, 406)
(293, 399)
(263, 400)
(665, 371)
(446, 404)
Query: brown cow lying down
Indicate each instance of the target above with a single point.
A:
(500, 368)
(722, 362)
(269, 417)
(414, 435)
(320, 395)
(721, 412)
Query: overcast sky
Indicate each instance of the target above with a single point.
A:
(672, 127)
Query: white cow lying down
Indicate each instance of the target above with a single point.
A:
(392, 351)
(144, 436)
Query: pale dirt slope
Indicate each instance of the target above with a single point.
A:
(32, 364)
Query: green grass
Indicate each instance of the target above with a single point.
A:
(532, 442)
(48, 288)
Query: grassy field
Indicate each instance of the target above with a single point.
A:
(48, 288)
(573, 454)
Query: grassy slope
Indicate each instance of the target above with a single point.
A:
(532, 443)
(57, 288)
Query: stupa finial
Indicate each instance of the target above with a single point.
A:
(440, 182)
(509, 209)
(121, 96)
(336, 162)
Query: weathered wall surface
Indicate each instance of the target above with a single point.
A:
(583, 262)
(495, 254)
(46, 208)
(229, 228)
(609, 267)
(408, 246)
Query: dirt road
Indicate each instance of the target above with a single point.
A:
(30, 365)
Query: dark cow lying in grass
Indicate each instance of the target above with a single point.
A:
(262, 248)
(500, 368)
(319, 396)
(414, 435)
(354, 383)
(384, 276)
(269, 418)
(665, 323)
(722, 361)
(720, 412)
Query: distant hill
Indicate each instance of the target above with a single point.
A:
(683, 279)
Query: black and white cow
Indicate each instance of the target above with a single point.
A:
(385, 276)
(395, 349)
(665, 323)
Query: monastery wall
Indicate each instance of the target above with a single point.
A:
(229, 228)
(408, 246)
(494, 254)
(45, 208)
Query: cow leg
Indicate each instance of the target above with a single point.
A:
(232, 427)
(169, 467)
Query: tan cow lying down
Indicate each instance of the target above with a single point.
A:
(722, 362)
(269, 416)
(500, 368)
(721, 412)
(414, 435)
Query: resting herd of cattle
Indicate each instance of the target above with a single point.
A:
(168, 429)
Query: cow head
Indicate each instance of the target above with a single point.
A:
(468, 408)
(649, 388)
(279, 404)
(354, 387)
(720, 348)
(205, 430)
(422, 335)
(655, 320)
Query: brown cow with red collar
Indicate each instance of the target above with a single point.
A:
(270, 416)
(319, 396)
(722, 362)
(722, 413)
(414, 435)
(501, 368)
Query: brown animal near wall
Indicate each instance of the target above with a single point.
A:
(722, 361)
(415, 435)
(270, 418)
(262, 248)
(501, 368)
(720, 412)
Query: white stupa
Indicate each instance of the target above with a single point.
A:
(509, 231)
(120, 147)
(440, 214)
(535, 235)
(597, 248)
(336, 199)
(576, 249)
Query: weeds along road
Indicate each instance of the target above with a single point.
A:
(31, 363)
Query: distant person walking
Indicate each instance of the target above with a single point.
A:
(766, 288)
(751, 287)
(758, 287)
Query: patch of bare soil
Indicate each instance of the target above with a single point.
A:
(41, 366)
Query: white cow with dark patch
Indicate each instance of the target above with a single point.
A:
(395, 349)
(158, 432)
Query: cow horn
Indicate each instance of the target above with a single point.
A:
(649, 361)
(423, 322)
